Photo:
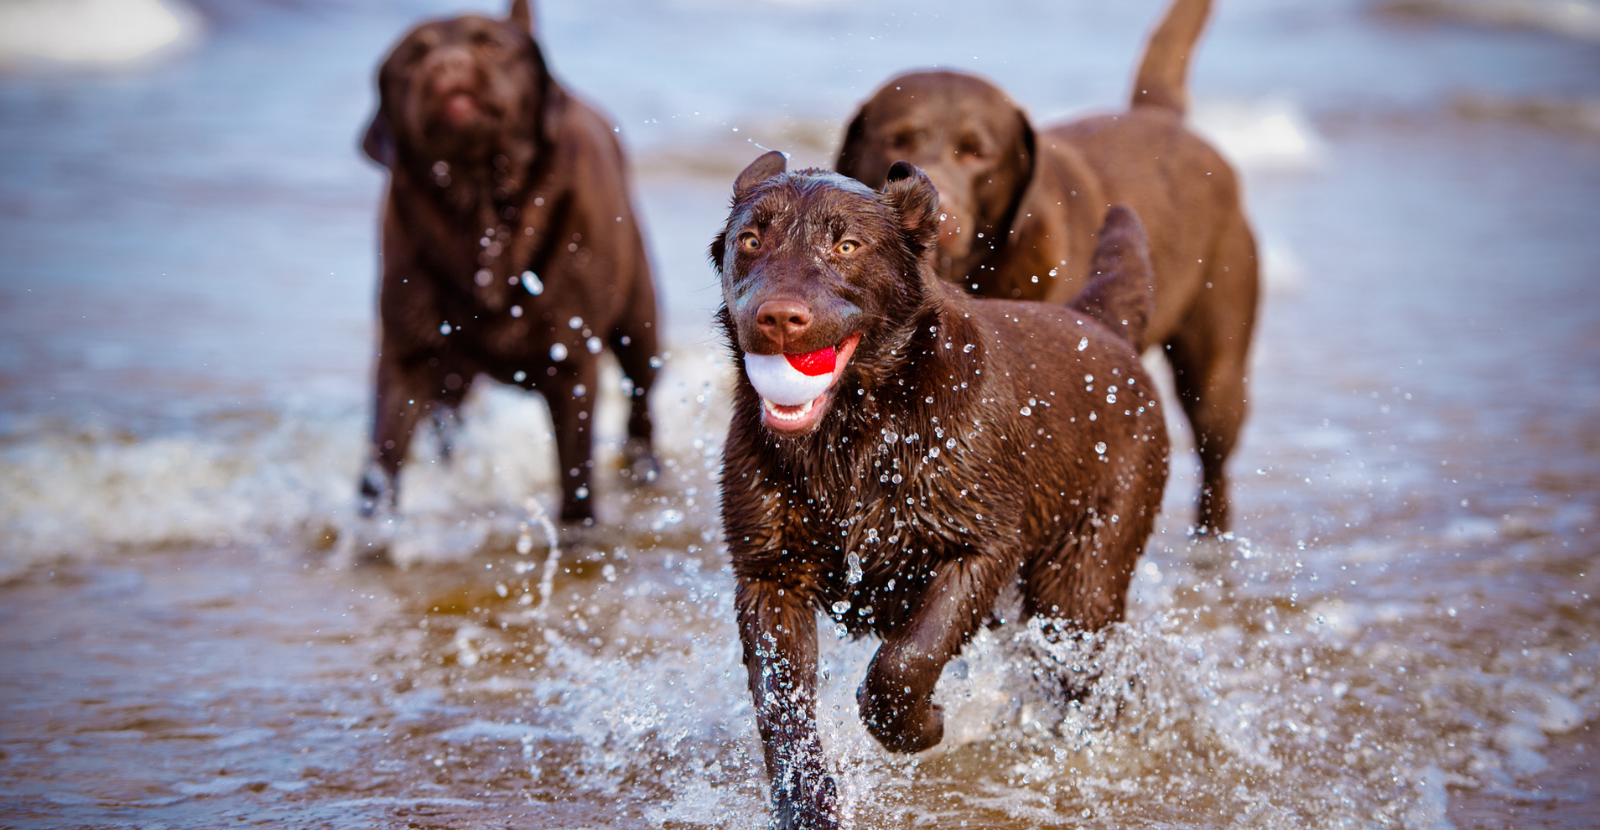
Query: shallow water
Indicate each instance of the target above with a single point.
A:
(1401, 635)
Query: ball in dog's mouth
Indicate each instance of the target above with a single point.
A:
(795, 388)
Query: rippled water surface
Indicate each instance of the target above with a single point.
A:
(1401, 634)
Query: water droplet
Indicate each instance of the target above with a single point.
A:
(841, 606)
(483, 277)
(967, 348)
(1100, 447)
(1083, 343)
(594, 345)
(579, 391)
(1111, 399)
(853, 563)
(575, 323)
(520, 376)
(1026, 411)
(516, 311)
(444, 328)
(531, 282)
(558, 352)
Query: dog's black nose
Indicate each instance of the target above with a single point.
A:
(783, 321)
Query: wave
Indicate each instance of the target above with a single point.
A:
(100, 32)
(1579, 19)
(271, 476)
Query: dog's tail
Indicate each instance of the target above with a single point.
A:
(1122, 289)
(1162, 80)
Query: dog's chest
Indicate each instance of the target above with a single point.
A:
(881, 518)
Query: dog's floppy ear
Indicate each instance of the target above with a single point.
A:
(379, 141)
(849, 161)
(770, 164)
(554, 104)
(719, 246)
(913, 196)
(521, 16)
(1031, 156)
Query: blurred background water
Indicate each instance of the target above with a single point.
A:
(1401, 635)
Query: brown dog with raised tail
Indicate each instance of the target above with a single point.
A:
(900, 452)
(1020, 209)
(510, 248)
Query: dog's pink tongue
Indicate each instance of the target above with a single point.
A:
(819, 362)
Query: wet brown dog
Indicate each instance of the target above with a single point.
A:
(1020, 210)
(957, 447)
(509, 247)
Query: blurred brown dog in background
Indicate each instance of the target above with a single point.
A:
(1020, 210)
(510, 248)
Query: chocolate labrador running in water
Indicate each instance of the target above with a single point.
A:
(1020, 208)
(901, 452)
(509, 247)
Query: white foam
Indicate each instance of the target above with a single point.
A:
(93, 31)
(291, 475)
(1271, 134)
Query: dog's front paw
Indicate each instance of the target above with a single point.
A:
(901, 722)
(808, 803)
(376, 491)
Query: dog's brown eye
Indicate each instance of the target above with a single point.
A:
(847, 246)
(749, 242)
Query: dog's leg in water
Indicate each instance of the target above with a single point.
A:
(403, 394)
(896, 698)
(634, 345)
(779, 632)
(446, 415)
(571, 394)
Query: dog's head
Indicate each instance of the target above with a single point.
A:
(821, 278)
(967, 136)
(465, 90)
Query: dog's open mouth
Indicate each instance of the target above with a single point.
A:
(796, 389)
(461, 108)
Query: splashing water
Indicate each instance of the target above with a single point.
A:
(552, 560)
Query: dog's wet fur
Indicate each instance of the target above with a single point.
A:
(510, 248)
(966, 446)
(1021, 207)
